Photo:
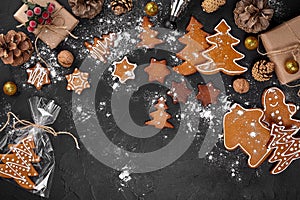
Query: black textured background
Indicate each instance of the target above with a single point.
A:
(79, 176)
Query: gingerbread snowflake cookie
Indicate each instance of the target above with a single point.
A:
(78, 81)
(38, 76)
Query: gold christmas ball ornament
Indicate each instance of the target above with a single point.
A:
(10, 88)
(291, 66)
(151, 8)
(251, 43)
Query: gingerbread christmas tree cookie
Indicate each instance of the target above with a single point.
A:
(17, 163)
(100, 48)
(160, 116)
(38, 76)
(286, 147)
(195, 43)
(77, 81)
(221, 55)
(148, 36)
(157, 70)
(124, 70)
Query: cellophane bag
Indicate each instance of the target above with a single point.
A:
(26, 153)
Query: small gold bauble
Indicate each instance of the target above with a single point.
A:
(251, 43)
(151, 8)
(10, 88)
(291, 66)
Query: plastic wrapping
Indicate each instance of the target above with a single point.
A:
(30, 165)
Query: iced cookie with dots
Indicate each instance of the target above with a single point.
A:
(243, 128)
(286, 148)
(17, 163)
(277, 111)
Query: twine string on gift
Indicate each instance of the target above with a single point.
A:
(294, 50)
(27, 124)
(52, 27)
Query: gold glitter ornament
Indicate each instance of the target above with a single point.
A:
(10, 88)
(292, 66)
(251, 43)
(151, 8)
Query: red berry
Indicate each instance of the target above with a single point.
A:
(32, 23)
(50, 9)
(30, 29)
(29, 13)
(37, 10)
(48, 21)
(45, 15)
(52, 4)
(40, 20)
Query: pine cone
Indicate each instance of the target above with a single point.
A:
(86, 8)
(210, 6)
(121, 6)
(262, 70)
(253, 16)
(15, 48)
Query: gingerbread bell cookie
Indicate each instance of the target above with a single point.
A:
(243, 128)
(221, 55)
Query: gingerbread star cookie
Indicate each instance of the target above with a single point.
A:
(243, 128)
(221, 55)
(77, 81)
(38, 76)
(277, 111)
(157, 70)
(179, 92)
(100, 48)
(207, 94)
(124, 70)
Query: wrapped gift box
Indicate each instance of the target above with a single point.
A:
(283, 43)
(63, 23)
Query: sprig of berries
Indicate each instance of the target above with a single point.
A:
(38, 15)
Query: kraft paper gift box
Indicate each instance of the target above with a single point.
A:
(63, 23)
(283, 43)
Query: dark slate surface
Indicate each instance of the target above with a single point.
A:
(78, 175)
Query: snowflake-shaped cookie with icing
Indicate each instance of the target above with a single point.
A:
(77, 81)
(124, 70)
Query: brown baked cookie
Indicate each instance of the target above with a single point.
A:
(243, 128)
(38, 76)
(277, 111)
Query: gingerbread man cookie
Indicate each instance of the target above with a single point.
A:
(277, 111)
(243, 128)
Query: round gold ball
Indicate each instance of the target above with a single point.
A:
(251, 43)
(291, 66)
(151, 8)
(10, 88)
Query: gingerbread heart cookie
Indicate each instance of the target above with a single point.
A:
(243, 128)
